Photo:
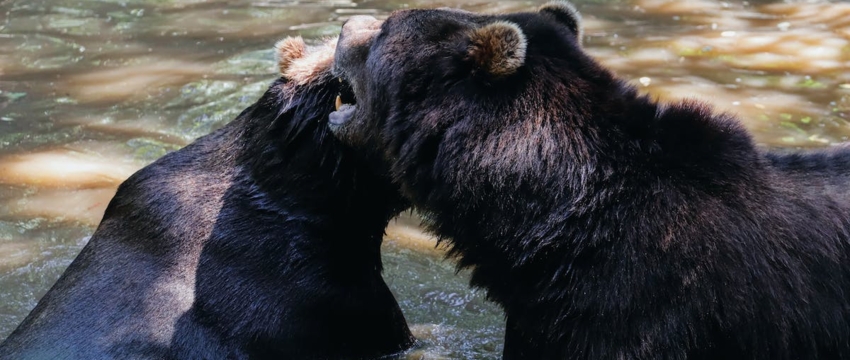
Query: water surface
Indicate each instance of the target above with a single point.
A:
(92, 90)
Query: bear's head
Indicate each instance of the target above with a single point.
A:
(424, 79)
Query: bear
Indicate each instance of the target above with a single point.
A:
(260, 240)
(606, 224)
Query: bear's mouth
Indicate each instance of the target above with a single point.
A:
(345, 104)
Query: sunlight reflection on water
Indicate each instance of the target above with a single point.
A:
(92, 90)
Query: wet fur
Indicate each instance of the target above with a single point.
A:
(258, 241)
(607, 225)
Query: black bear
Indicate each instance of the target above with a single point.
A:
(258, 241)
(606, 224)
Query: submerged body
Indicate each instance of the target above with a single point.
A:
(607, 225)
(260, 240)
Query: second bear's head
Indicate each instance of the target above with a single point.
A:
(424, 76)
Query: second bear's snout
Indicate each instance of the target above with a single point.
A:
(353, 46)
(359, 30)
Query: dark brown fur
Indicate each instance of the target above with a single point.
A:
(258, 241)
(607, 225)
(498, 48)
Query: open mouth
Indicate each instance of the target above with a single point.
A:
(345, 104)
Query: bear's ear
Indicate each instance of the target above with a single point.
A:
(564, 13)
(498, 48)
(289, 50)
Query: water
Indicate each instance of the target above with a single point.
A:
(91, 90)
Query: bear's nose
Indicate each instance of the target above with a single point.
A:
(359, 30)
(361, 23)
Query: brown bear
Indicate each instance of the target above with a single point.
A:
(258, 241)
(606, 224)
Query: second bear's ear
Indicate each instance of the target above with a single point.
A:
(564, 13)
(289, 50)
(498, 48)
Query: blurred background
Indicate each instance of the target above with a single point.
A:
(92, 90)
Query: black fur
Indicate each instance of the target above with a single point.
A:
(607, 225)
(258, 241)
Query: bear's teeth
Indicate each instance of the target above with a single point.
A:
(338, 102)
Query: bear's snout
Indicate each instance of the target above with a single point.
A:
(361, 22)
(353, 45)
(359, 30)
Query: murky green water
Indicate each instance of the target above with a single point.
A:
(92, 90)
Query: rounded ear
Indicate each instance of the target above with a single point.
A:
(289, 50)
(564, 13)
(498, 48)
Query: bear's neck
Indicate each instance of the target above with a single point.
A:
(543, 216)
